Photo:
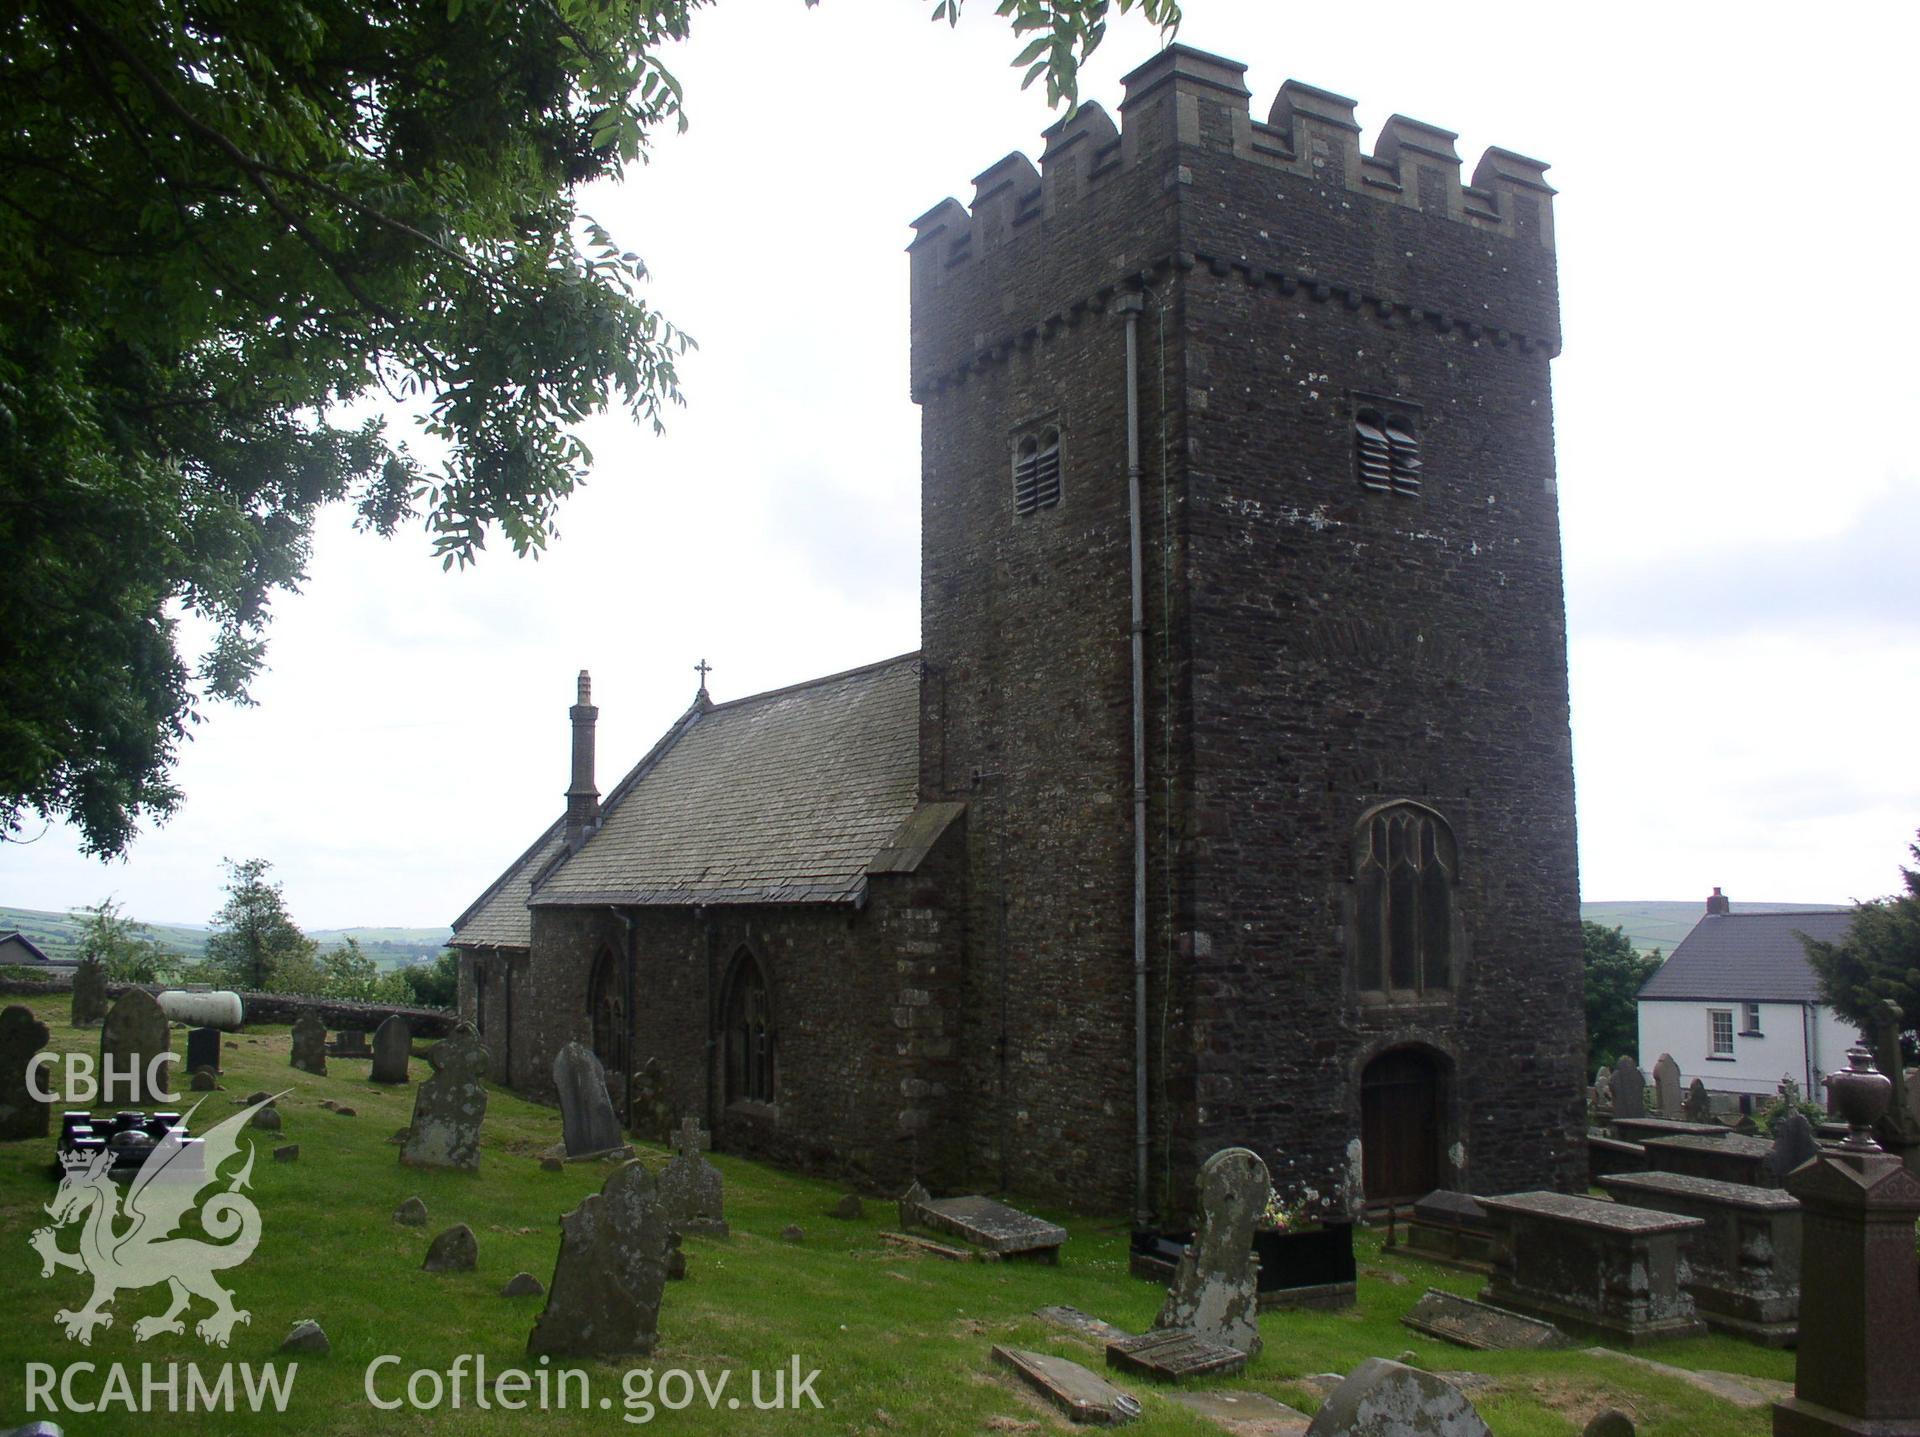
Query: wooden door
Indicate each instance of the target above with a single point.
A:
(1401, 1122)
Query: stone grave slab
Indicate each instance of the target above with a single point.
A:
(449, 1107)
(615, 1250)
(1793, 1144)
(350, 1043)
(1170, 1355)
(1466, 1323)
(1245, 1414)
(1612, 1155)
(1744, 1268)
(587, 1121)
(692, 1190)
(392, 1047)
(931, 1248)
(1589, 1266)
(1698, 1107)
(1729, 1158)
(1668, 1094)
(1629, 1090)
(309, 1045)
(1388, 1399)
(1086, 1397)
(1081, 1324)
(1639, 1130)
(992, 1226)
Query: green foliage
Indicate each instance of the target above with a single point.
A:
(1877, 960)
(347, 972)
(220, 224)
(1614, 975)
(125, 948)
(435, 984)
(256, 944)
(1778, 1107)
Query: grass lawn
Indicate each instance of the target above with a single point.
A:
(901, 1342)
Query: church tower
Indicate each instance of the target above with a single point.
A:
(1245, 647)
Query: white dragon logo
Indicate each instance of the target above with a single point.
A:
(146, 1251)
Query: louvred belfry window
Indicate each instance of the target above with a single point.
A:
(1036, 471)
(1387, 451)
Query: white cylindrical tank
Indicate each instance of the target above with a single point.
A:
(204, 1010)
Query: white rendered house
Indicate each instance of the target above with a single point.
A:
(1738, 1004)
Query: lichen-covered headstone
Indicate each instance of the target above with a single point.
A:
(448, 1109)
(1603, 1092)
(1666, 1085)
(21, 1114)
(1214, 1293)
(1386, 1399)
(455, 1250)
(134, 1033)
(1629, 1089)
(89, 992)
(604, 1300)
(587, 1123)
(392, 1046)
(1698, 1107)
(310, 1044)
(692, 1192)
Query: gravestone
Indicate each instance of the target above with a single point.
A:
(1603, 1092)
(1211, 1311)
(310, 1045)
(604, 1300)
(652, 1106)
(1666, 1085)
(692, 1193)
(1084, 1396)
(455, 1250)
(1855, 1372)
(587, 1123)
(1386, 1399)
(449, 1108)
(392, 1047)
(134, 1033)
(1898, 1128)
(21, 1114)
(89, 992)
(351, 1043)
(1793, 1144)
(1698, 1108)
(203, 1049)
(1466, 1323)
(1629, 1089)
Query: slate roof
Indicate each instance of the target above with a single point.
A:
(32, 949)
(1746, 957)
(499, 917)
(784, 797)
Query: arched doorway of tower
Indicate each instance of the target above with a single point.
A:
(607, 1010)
(1403, 1121)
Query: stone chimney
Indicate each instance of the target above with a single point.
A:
(1716, 902)
(583, 799)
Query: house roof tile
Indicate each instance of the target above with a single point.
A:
(1746, 957)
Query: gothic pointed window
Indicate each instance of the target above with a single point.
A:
(607, 1012)
(1404, 867)
(1036, 470)
(748, 1034)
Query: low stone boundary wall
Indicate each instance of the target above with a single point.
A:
(274, 1007)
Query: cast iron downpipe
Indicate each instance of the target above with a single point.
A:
(1130, 306)
(626, 1038)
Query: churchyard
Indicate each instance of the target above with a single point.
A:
(902, 1338)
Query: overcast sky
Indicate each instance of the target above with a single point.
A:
(1739, 480)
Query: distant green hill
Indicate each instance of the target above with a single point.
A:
(1662, 925)
(58, 936)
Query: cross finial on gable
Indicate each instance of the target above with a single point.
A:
(688, 1139)
(703, 668)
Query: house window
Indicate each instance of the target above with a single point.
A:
(1752, 1029)
(1720, 1032)
(1386, 441)
(1036, 470)
(749, 1034)
(1404, 866)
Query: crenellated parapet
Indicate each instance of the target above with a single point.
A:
(1188, 148)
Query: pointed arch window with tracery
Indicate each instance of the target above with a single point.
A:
(1405, 864)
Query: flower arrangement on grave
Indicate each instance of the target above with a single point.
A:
(1279, 1215)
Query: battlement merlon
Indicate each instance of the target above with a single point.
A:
(1186, 98)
